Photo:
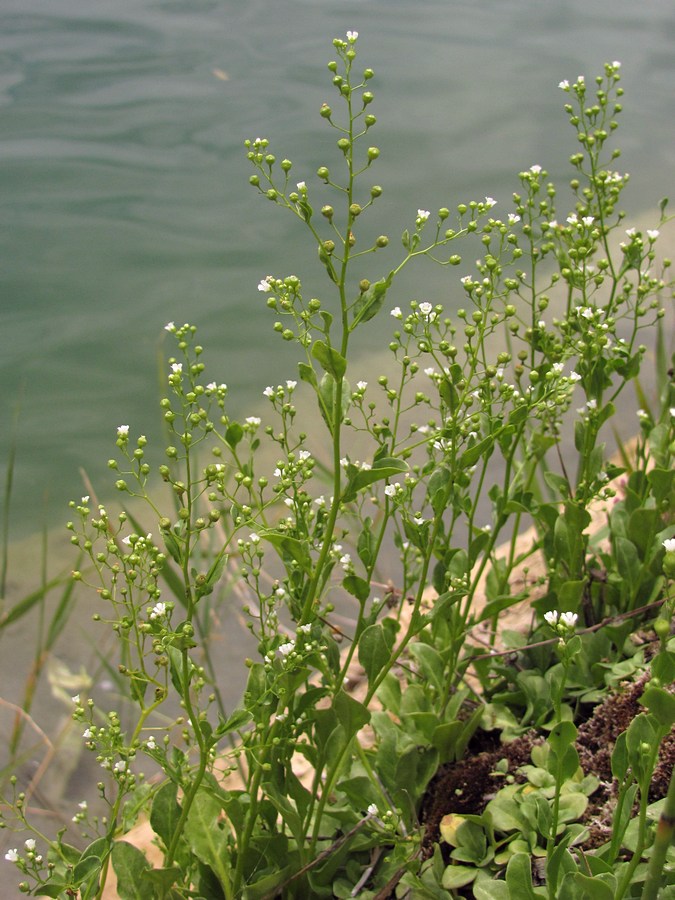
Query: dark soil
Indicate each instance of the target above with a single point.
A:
(465, 787)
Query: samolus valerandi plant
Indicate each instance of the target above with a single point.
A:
(377, 506)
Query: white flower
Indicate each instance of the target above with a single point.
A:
(361, 385)
(564, 85)
(426, 309)
(87, 734)
(12, 855)
(30, 844)
(150, 744)
(423, 215)
(558, 367)
(652, 233)
(291, 385)
(159, 609)
(76, 699)
(254, 538)
(305, 629)
(669, 545)
(490, 202)
(269, 391)
(302, 187)
(320, 501)
(82, 804)
(176, 368)
(345, 561)
(581, 79)
(574, 376)
(430, 372)
(616, 64)
(264, 286)
(254, 421)
(573, 219)
(122, 430)
(465, 279)
(287, 648)
(352, 36)
(588, 221)
(120, 766)
(513, 219)
(672, 412)
(304, 455)
(552, 618)
(396, 312)
(169, 327)
(372, 809)
(553, 223)
(568, 619)
(631, 232)
(391, 489)
(536, 170)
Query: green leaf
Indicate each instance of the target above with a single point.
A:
(458, 876)
(370, 301)
(330, 360)
(357, 587)
(375, 646)
(438, 489)
(288, 547)
(519, 877)
(206, 838)
(388, 467)
(351, 714)
(129, 864)
(660, 704)
(165, 812)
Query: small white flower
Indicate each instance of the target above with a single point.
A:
(581, 79)
(291, 385)
(122, 430)
(304, 455)
(254, 421)
(616, 64)
(305, 629)
(672, 412)
(76, 699)
(652, 233)
(513, 219)
(287, 648)
(12, 855)
(87, 734)
(361, 385)
(158, 610)
(669, 545)
(465, 279)
(254, 538)
(551, 617)
(564, 85)
(151, 744)
(430, 372)
(553, 223)
(30, 844)
(302, 187)
(264, 286)
(536, 170)
(588, 221)
(82, 804)
(269, 391)
(631, 232)
(490, 202)
(396, 312)
(573, 219)
(391, 489)
(169, 327)
(426, 309)
(372, 809)
(642, 414)
(320, 501)
(345, 561)
(176, 368)
(558, 367)
(423, 215)
(352, 36)
(574, 376)
(120, 766)
(568, 619)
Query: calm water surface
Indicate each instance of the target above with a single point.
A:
(125, 203)
(123, 180)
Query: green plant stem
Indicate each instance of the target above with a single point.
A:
(663, 839)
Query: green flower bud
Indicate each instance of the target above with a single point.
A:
(355, 210)
(323, 173)
(373, 153)
(286, 165)
(271, 194)
(254, 180)
(370, 120)
(368, 74)
(325, 112)
(382, 241)
(364, 284)
(376, 191)
(327, 211)
(368, 97)
(343, 144)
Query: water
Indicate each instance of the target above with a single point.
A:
(124, 183)
(125, 201)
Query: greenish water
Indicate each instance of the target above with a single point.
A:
(124, 183)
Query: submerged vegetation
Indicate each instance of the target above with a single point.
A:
(449, 496)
